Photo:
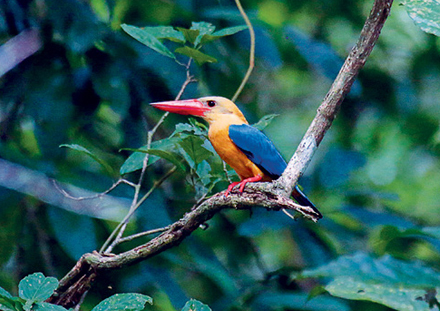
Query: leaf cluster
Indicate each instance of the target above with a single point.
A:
(34, 289)
(189, 40)
(394, 283)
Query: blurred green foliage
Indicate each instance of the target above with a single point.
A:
(375, 176)
(34, 289)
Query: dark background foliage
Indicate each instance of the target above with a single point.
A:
(375, 177)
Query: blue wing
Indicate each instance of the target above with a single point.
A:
(262, 152)
(258, 148)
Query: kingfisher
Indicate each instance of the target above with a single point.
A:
(245, 148)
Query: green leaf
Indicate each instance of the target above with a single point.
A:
(5, 306)
(213, 181)
(199, 128)
(5, 293)
(44, 306)
(221, 33)
(194, 152)
(316, 291)
(79, 148)
(194, 127)
(386, 270)
(203, 170)
(204, 29)
(389, 233)
(395, 283)
(147, 39)
(394, 297)
(183, 127)
(36, 287)
(195, 305)
(198, 56)
(189, 34)
(28, 305)
(295, 300)
(135, 161)
(166, 32)
(229, 31)
(125, 302)
(265, 121)
(183, 130)
(9, 303)
(425, 14)
(203, 183)
(167, 155)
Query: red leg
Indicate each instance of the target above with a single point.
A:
(242, 183)
(230, 187)
(251, 179)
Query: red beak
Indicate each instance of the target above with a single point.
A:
(189, 106)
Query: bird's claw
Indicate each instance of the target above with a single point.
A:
(242, 184)
(230, 187)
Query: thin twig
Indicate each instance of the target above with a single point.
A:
(202, 198)
(225, 169)
(119, 230)
(124, 222)
(251, 52)
(288, 214)
(125, 181)
(77, 307)
(141, 234)
(95, 196)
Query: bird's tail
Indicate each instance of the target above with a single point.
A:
(302, 199)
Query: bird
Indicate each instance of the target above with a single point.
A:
(243, 147)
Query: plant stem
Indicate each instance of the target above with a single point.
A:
(251, 52)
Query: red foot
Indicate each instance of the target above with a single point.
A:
(242, 184)
(230, 187)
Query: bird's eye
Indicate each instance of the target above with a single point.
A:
(211, 103)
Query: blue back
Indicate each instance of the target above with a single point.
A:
(259, 149)
(262, 152)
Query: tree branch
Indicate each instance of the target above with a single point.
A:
(69, 290)
(332, 102)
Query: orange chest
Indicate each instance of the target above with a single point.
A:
(231, 154)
